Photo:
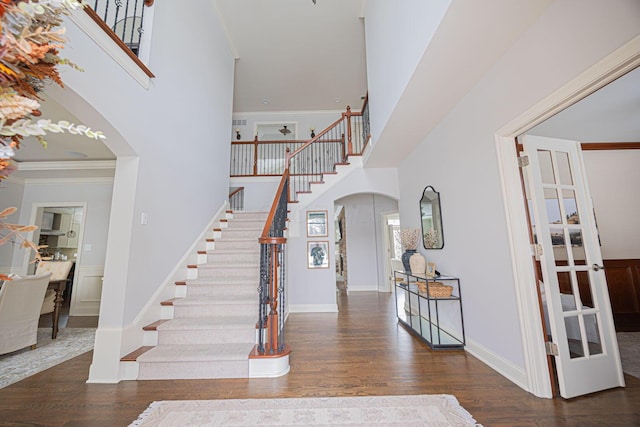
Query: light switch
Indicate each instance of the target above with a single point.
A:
(87, 247)
(144, 218)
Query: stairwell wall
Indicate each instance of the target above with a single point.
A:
(174, 163)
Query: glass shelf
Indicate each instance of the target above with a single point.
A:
(436, 320)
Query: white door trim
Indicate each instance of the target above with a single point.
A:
(618, 63)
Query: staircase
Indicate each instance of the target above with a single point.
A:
(211, 330)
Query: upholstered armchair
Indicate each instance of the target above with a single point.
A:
(20, 303)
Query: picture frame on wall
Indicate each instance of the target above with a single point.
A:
(318, 254)
(317, 224)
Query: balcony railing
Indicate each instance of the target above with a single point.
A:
(310, 159)
(124, 17)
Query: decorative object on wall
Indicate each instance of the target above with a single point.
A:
(431, 219)
(317, 224)
(409, 238)
(318, 254)
(313, 132)
(238, 134)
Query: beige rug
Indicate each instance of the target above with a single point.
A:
(23, 363)
(420, 410)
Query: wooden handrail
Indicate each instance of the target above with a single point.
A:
(278, 141)
(236, 191)
(117, 40)
(315, 138)
(274, 206)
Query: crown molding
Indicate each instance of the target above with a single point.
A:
(66, 165)
(58, 181)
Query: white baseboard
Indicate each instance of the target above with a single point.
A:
(507, 369)
(313, 308)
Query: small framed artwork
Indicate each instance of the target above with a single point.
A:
(317, 224)
(318, 254)
(431, 270)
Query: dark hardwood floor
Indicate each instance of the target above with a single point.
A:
(360, 351)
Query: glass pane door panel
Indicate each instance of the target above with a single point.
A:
(570, 207)
(559, 242)
(576, 247)
(574, 337)
(564, 168)
(593, 334)
(546, 167)
(553, 206)
(584, 285)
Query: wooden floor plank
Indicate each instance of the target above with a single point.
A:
(360, 351)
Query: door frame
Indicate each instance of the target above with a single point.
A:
(616, 64)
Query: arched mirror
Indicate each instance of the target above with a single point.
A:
(431, 219)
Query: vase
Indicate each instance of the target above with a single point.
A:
(405, 259)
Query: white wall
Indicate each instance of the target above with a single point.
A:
(172, 143)
(258, 192)
(10, 196)
(178, 129)
(458, 158)
(397, 34)
(315, 290)
(304, 120)
(366, 256)
(613, 181)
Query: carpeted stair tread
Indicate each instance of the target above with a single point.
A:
(234, 265)
(209, 323)
(220, 281)
(197, 353)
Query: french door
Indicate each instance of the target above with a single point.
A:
(575, 290)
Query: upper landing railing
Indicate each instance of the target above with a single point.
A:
(306, 160)
(123, 22)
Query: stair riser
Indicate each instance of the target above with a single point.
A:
(251, 258)
(260, 216)
(233, 233)
(224, 272)
(193, 370)
(214, 310)
(246, 223)
(214, 336)
(210, 291)
(248, 245)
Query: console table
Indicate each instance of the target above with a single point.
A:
(436, 320)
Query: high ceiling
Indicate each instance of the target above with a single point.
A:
(294, 55)
(301, 56)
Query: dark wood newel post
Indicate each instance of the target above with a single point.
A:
(148, 3)
(255, 156)
(348, 114)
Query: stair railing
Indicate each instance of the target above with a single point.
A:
(236, 198)
(311, 159)
(271, 290)
(308, 162)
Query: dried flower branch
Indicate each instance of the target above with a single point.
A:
(13, 233)
(409, 238)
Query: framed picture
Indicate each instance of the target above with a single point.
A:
(431, 270)
(318, 254)
(317, 224)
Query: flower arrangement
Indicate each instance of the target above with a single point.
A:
(431, 238)
(30, 38)
(409, 238)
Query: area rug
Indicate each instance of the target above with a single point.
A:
(419, 410)
(629, 344)
(71, 342)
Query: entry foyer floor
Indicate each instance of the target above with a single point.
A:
(360, 351)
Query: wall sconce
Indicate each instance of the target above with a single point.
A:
(313, 132)
(238, 134)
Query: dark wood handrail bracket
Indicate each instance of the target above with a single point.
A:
(98, 20)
